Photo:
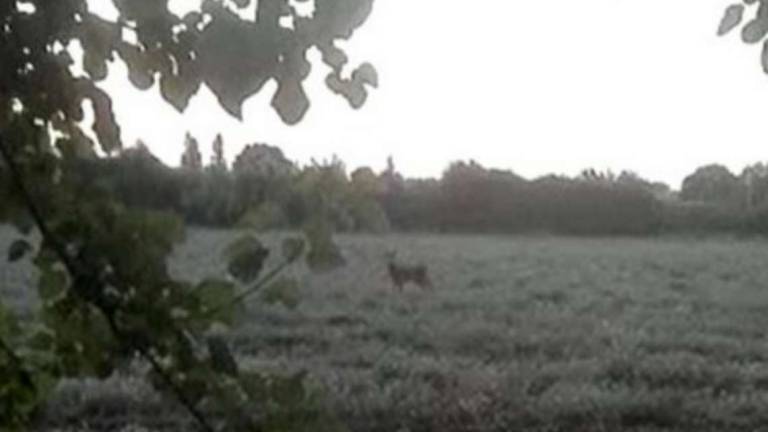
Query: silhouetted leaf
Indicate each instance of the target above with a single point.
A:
(178, 90)
(247, 51)
(731, 19)
(95, 65)
(354, 89)
(366, 74)
(139, 71)
(246, 258)
(104, 122)
(755, 30)
(290, 101)
(18, 250)
(98, 38)
(218, 296)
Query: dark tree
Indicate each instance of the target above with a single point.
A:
(191, 159)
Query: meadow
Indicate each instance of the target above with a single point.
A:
(522, 333)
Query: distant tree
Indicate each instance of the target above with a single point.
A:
(141, 180)
(365, 191)
(391, 180)
(714, 184)
(597, 176)
(324, 187)
(263, 161)
(191, 159)
(365, 182)
(218, 161)
(659, 190)
(755, 180)
(263, 179)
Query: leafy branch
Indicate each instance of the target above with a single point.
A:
(77, 273)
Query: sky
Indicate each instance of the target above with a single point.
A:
(532, 86)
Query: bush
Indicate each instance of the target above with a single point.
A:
(265, 217)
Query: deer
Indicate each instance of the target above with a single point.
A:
(401, 273)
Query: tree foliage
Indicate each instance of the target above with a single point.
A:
(753, 30)
(106, 293)
(714, 184)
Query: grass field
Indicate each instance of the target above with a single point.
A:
(519, 333)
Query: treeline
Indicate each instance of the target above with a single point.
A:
(264, 190)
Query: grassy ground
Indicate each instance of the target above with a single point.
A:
(519, 333)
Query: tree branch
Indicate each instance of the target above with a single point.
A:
(75, 270)
(37, 216)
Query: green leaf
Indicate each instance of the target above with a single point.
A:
(217, 296)
(18, 250)
(246, 258)
(733, 16)
(52, 284)
(333, 56)
(284, 291)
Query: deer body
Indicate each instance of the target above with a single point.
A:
(401, 274)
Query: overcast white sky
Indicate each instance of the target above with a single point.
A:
(534, 86)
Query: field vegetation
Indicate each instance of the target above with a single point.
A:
(519, 333)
